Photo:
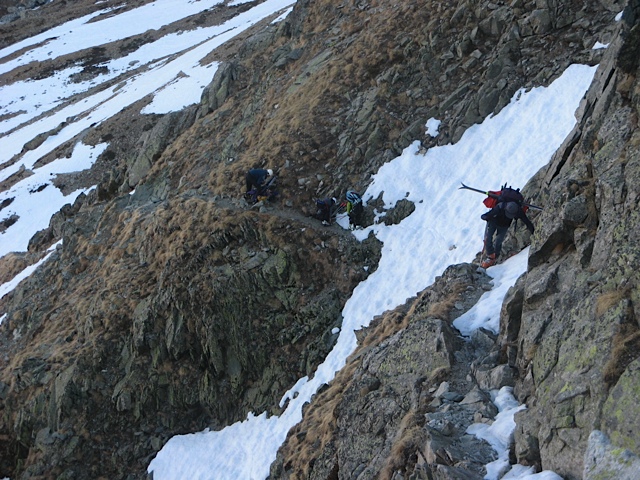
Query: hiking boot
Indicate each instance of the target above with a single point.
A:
(489, 261)
(324, 222)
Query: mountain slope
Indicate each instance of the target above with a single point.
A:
(176, 308)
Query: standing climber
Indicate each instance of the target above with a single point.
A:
(507, 208)
(256, 178)
(355, 209)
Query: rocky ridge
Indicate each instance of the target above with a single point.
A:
(138, 328)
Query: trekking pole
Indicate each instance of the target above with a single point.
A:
(493, 195)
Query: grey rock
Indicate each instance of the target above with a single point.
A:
(495, 378)
(475, 396)
(540, 21)
(442, 389)
(604, 460)
(155, 141)
(576, 211)
(445, 472)
(452, 396)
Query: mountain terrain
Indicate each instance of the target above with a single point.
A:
(173, 305)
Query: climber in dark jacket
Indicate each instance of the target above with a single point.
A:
(256, 178)
(498, 220)
(325, 210)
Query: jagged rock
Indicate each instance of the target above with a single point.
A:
(496, 22)
(495, 378)
(620, 410)
(153, 142)
(570, 374)
(445, 472)
(401, 210)
(442, 389)
(482, 340)
(452, 397)
(438, 449)
(526, 444)
(427, 348)
(475, 396)
(219, 89)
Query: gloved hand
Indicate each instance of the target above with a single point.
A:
(484, 217)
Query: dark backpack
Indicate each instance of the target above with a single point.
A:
(325, 209)
(267, 191)
(508, 194)
(268, 188)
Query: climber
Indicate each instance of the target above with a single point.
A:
(355, 209)
(257, 177)
(325, 210)
(508, 206)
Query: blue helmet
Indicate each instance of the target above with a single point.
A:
(353, 197)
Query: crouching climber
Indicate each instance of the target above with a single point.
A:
(256, 178)
(325, 210)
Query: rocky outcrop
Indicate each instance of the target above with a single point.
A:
(577, 327)
(190, 305)
(569, 331)
(605, 460)
(153, 142)
(338, 104)
(14, 12)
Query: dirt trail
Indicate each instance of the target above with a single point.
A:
(282, 211)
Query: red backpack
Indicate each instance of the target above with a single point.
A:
(492, 200)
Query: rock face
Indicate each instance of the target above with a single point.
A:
(210, 314)
(569, 331)
(577, 332)
(179, 307)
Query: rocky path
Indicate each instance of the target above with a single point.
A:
(463, 399)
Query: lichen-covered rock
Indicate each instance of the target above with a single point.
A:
(620, 412)
(603, 460)
(391, 407)
(152, 143)
(577, 345)
(221, 316)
